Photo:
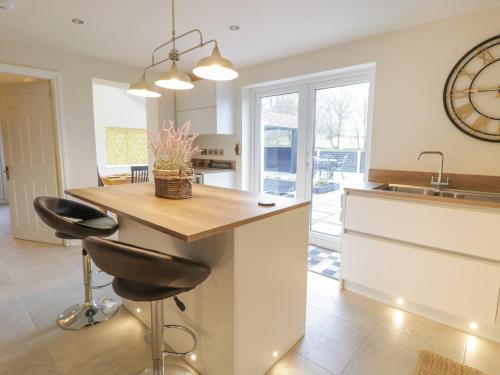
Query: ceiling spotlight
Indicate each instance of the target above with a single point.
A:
(77, 21)
(234, 27)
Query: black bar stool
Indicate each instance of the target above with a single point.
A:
(148, 275)
(72, 220)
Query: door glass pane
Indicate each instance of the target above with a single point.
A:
(339, 151)
(279, 124)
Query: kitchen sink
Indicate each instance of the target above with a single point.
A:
(407, 189)
(446, 193)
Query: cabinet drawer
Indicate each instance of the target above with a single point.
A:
(203, 120)
(464, 230)
(456, 285)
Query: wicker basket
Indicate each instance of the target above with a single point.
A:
(173, 184)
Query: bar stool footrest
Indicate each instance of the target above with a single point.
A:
(190, 333)
(147, 339)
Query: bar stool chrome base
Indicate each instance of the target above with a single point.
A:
(90, 312)
(169, 369)
(87, 314)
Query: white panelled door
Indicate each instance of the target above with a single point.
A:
(30, 155)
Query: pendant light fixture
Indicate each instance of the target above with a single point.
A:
(174, 79)
(214, 67)
(143, 88)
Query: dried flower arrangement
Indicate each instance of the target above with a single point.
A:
(173, 150)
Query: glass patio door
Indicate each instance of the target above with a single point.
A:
(282, 139)
(340, 112)
(311, 140)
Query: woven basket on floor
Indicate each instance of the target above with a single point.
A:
(173, 184)
(434, 364)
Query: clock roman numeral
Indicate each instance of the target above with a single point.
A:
(486, 56)
(464, 111)
(460, 93)
(465, 72)
(480, 122)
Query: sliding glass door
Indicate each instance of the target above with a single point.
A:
(311, 140)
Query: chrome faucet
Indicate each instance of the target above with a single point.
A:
(439, 183)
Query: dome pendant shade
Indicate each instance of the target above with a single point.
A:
(215, 67)
(174, 79)
(143, 88)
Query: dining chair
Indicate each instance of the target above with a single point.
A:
(139, 173)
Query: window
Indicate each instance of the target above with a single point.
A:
(126, 146)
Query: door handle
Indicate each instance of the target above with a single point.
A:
(7, 173)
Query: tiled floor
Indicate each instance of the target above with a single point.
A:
(346, 333)
(323, 261)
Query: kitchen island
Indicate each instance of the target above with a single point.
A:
(252, 308)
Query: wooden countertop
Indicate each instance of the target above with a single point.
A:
(210, 211)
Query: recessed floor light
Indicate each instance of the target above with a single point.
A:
(234, 27)
(77, 21)
(474, 326)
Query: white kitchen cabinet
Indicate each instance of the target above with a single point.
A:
(468, 288)
(203, 120)
(443, 259)
(209, 106)
(461, 229)
(220, 179)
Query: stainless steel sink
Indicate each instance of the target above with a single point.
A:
(447, 193)
(421, 190)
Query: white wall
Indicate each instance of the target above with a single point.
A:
(114, 107)
(77, 72)
(412, 67)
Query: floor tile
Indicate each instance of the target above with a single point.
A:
(378, 356)
(418, 333)
(295, 364)
(351, 307)
(113, 347)
(483, 355)
(332, 343)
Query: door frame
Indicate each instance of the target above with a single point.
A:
(367, 76)
(306, 86)
(55, 85)
(301, 145)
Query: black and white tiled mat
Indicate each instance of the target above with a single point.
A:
(323, 261)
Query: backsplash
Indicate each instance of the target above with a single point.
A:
(212, 152)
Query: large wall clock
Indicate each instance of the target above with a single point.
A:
(472, 92)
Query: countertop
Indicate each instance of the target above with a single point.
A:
(370, 188)
(210, 211)
(211, 170)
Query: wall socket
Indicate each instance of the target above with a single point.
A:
(212, 152)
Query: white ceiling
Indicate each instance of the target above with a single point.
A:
(126, 31)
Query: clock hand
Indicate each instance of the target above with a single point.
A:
(473, 91)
